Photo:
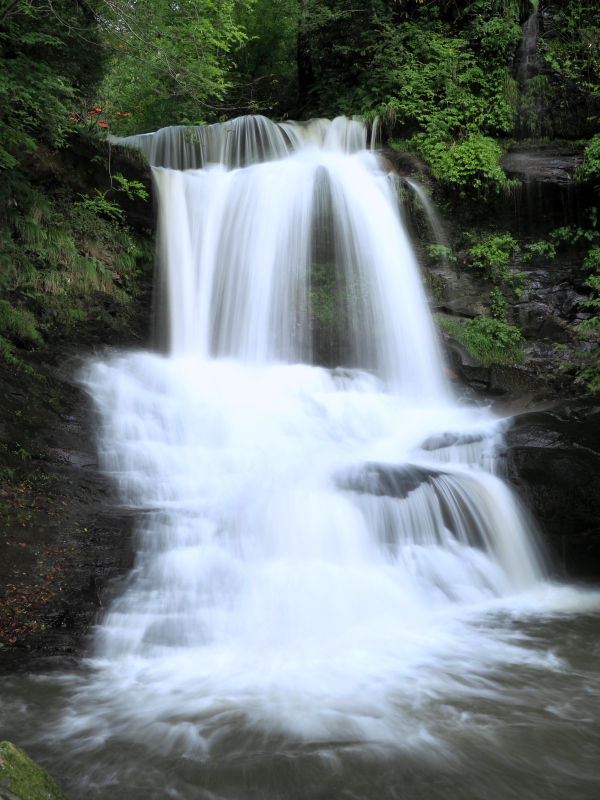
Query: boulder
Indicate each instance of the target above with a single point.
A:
(22, 779)
(553, 459)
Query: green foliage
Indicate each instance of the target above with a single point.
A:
(590, 328)
(540, 250)
(591, 263)
(491, 255)
(168, 62)
(263, 71)
(441, 252)
(570, 46)
(534, 103)
(470, 163)
(436, 74)
(327, 302)
(498, 304)
(98, 204)
(60, 261)
(46, 75)
(590, 169)
(132, 189)
(17, 323)
(490, 341)
(590, 374)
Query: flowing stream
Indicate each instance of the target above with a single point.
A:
(336, 594)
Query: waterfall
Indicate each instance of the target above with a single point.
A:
(255, 247)
(526, 54)
(243, 141)
(317, 516)
(533, 114)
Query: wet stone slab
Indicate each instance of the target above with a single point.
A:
(548, 164)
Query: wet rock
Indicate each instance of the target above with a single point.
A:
(64, 539)
(463, 294)
(542, 294)
(553, 459)
(386, 480)
(498, 380)
(22, 779)
(403, 162)
(551, 163)
(449, 439)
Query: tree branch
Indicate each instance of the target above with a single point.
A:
(9, 9)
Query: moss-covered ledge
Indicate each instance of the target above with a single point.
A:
(22, 779)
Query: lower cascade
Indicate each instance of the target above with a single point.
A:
(321, 526)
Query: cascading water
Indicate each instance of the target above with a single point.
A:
(290, 508)
(526, 53)
(318, 547)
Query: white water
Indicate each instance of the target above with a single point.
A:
(244, 141)
(314, 544)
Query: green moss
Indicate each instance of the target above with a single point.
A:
(490, 341)
(24, 778)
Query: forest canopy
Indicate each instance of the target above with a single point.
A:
(444, 78)
(440, 73)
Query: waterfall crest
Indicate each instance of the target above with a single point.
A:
(243, 141)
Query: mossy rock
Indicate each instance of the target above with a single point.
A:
(22, 779)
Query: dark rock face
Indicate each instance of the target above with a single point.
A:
(62, 533)
(553, 459)
(546, 307)
(63, 537)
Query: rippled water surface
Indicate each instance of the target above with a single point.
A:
(528, 729)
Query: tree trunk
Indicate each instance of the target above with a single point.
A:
(306, 76)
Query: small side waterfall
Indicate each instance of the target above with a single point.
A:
(533, 113)
(526, 54)
(311, 540)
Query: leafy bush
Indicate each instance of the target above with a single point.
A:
(490, 341)
(491, 255)
(590, 169)
(570, 46)
(590, 374)
(469, 163)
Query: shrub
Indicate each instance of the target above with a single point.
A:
(590, 169)
(490, 341)
(468, 164)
